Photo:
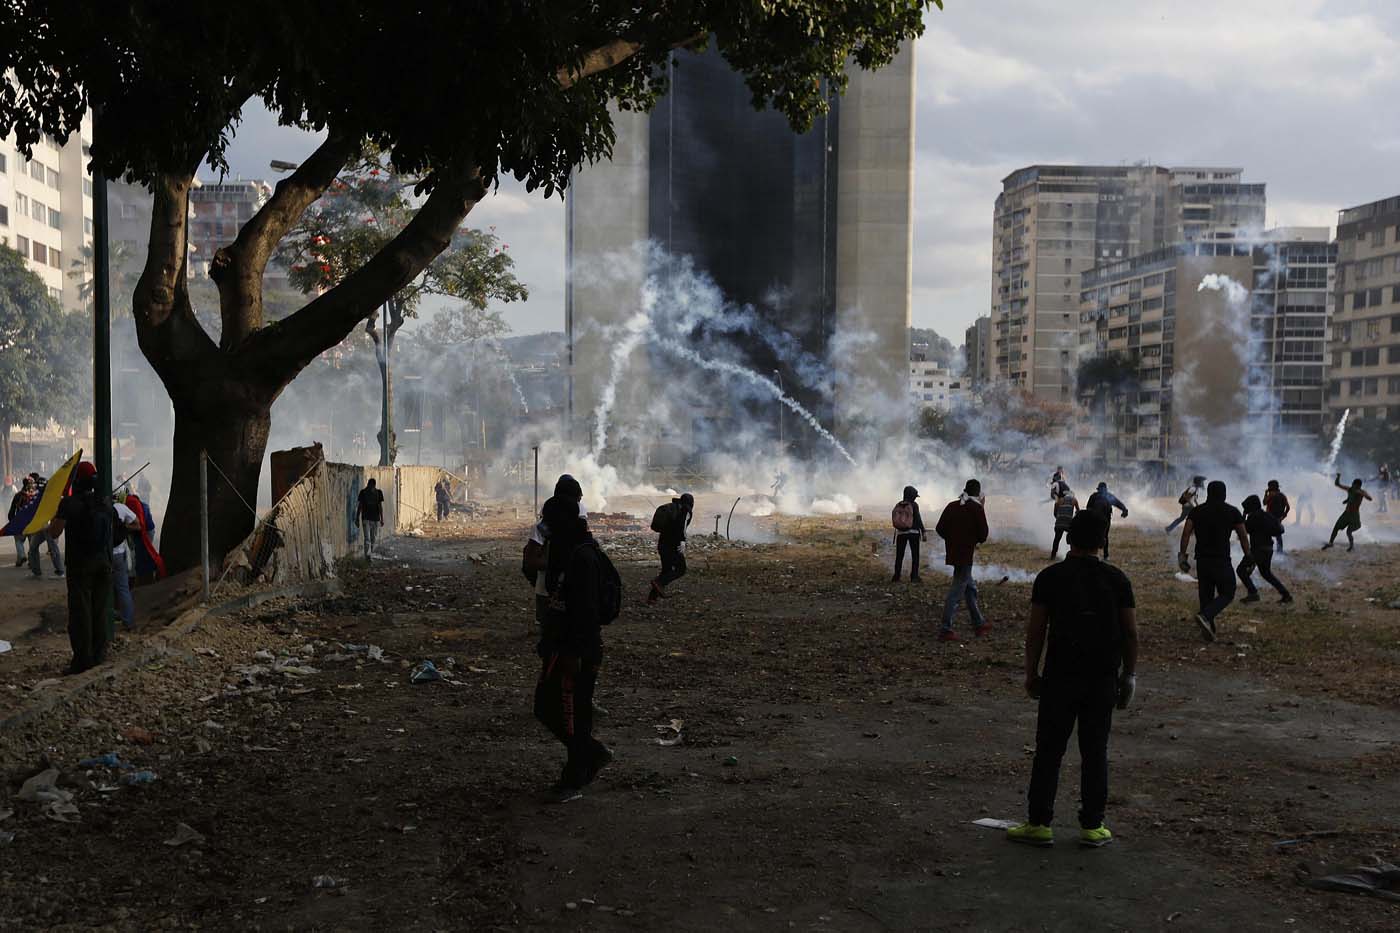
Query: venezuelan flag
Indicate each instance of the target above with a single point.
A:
(41, 511)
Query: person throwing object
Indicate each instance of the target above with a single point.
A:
(1351, 512)
(1086, 608)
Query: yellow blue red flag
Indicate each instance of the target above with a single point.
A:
(54, 492)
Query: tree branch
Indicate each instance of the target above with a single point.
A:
(166, 326)
(610, 55)
(284, 347)
(238, 268)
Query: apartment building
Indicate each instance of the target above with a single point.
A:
(932, 386)
(220, 209)
(1190, 372)
(1365, 371)
(1053, 222)
(977, 352)
(46, 210)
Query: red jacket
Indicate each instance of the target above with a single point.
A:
(962, 526)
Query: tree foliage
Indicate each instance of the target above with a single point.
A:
(44, 353)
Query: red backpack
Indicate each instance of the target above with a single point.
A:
(902, 516)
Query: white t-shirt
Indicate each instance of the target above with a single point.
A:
(126, 517)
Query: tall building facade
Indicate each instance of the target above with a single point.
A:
(977, 352)
(1053, 222)
(220, 209)
(1365, 371)
(46, 211)
(811, 231)
(1204, 347)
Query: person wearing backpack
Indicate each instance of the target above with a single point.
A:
(90, 529)
(588, 596)
(1187, 501)
(1086, 608)
(669, 523)
(1277, 505)
(908, 532)
(1064, 510)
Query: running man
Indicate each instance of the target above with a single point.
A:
(1264, 528)
(1064, 510)
(1277, 505)
(1351, 513)
(1102, 503)
(1212, 524)
(1187, 500)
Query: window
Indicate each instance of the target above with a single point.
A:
(56, 293)
(4, 168)
(1354, 387)
(1376, 297)
(1395, 323)
(87, 187)
(1373, 356)
(1395, 294)
(51, 178)
(1358, 301)
(4, 216)
(36, 171)
(1393, 354)
(1357, 357)
(41, 253)
(22, 205)
(38, 210)
(22, 245)
(1342, 332)
(1378, 236)
(56, 219)
(55, 258)
(87, 225)
(1373, 330)
(1373, 386)
(1392, 385)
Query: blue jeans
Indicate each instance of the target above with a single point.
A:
(37, 539)
(20, 557)
(121, 591)
(962, 584)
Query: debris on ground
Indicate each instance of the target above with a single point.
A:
(425, 672)
(1380, 879)
(185, 833)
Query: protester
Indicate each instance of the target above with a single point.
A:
(369, 513)
(1064, 511)
(442, 492)
(1057, 483)
(1351, 512)
(18, 504)
(1187, 501)
(568, 496)
(963, 526)
(908, 532)
(1102, 503)
(587, 597)
(92, 529)
(1383, 489)
(1090, 665)
(121, 568)
(1277, 505)
(670, 522)
(149, 564)
(1263, 528)
(1304, 504)
(1212, 524)
(43, 537)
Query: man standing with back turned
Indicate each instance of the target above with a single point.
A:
(963, 526)
(1087, 606)
(1212, 524)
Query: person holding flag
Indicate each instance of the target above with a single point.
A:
(26, 495)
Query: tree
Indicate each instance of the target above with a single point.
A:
(1371, 441)
(44, 357)
(470, 92)
(358, 216)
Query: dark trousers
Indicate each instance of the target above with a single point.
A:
(1215, 584)
(1063, 703)
(1107, 528)
(912, 543)
(672, 564)
(442, 509)
(564, 703)
(1262, 560)
(1185, 511)
(1055, 548)
(89, 582)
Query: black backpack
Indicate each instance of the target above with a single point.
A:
(609, 585)
(94, 530)
(665, 517)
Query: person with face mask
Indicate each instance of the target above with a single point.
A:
(1263, 528)
(670, 523)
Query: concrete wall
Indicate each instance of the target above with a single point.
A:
(313, 525)
(874, 242)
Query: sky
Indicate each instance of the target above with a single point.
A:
(1300, 93)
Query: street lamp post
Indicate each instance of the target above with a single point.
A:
(781, 444)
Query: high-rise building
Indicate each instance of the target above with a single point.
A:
(1053, 222)
(46, 211)
(1203, 347)
(221, 208)
(977, 352)
(1365, 371)
(812, 231)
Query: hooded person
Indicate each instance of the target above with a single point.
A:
(90, 529)
(1350, 519)
(1212, 523)
(559, 512)
(1187, 500)
(963, 526)
(670, 523)
(1064, 509)
(1264, 528)
(1102, 503)
(1277, 505)
(908, 532)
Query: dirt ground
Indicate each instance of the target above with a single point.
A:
(832, 755)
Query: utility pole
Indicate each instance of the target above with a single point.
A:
(101, 350)
(385, 458)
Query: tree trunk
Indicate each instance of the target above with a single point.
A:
(235, 437)
(9, 462)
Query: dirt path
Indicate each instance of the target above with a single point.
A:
(863, 750)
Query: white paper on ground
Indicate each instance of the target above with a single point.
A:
(5, 646)
(994, 824)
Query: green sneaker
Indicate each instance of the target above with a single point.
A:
(1095, 838)
(1031, 835)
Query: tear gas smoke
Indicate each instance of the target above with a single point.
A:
(1336, 447)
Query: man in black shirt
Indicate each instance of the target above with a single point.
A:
(1263, 528)
(1212, 523)
(1102, 503)
(91, 525)
(369, 512)
(1087, 606)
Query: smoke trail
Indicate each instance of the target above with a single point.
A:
(768, 385)
(510, 374)
(1336, 447)
(635, 329)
